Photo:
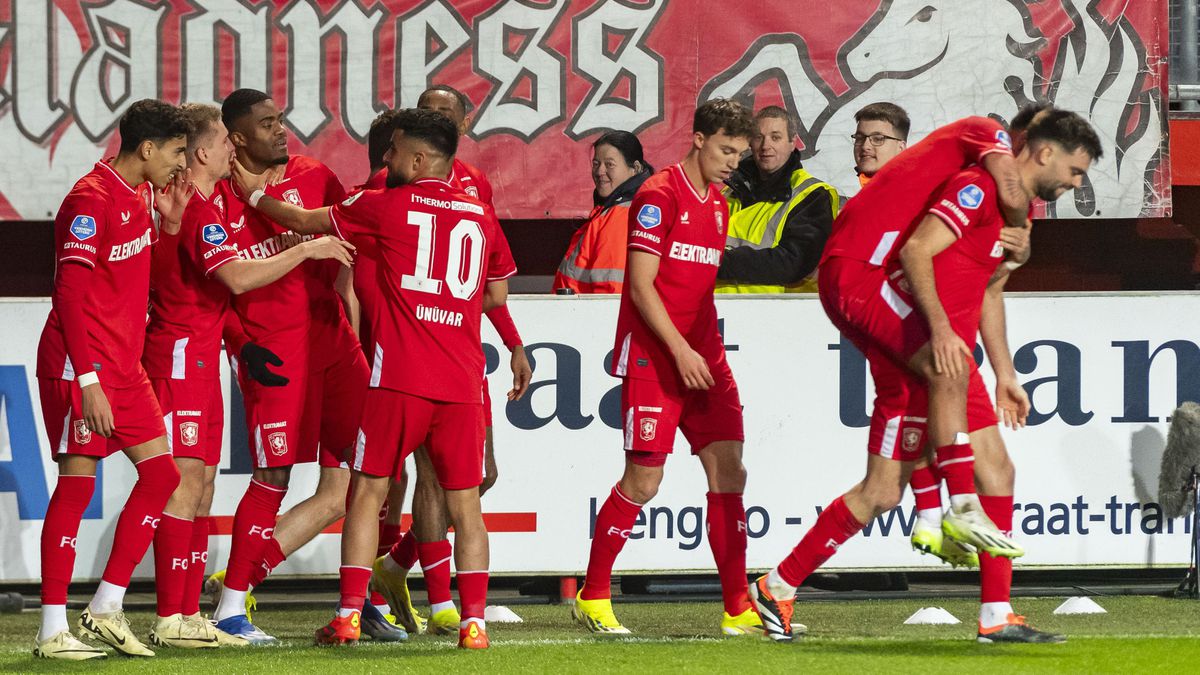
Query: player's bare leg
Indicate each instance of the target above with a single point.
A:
(638, 485)
(104, 619)
(995, 478)
(390, 532)
(726, 521)
(389, 581)
(172, 557)
(304, 521)
(471, 562)
(360, 538)
(966, 521)
(490, 471)
(431, 521)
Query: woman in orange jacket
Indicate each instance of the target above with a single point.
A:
(595, 260)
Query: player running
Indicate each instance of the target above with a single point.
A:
(961, 227)
(194, 269)
(444, 260)
(308, 409)
(96, 399)
(671, 359)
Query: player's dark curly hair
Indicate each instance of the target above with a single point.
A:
(463, 102)
(1067, 129)
(238, 104)
(379, 137)
(151, 120)
(1020, 122)
(431, 127)
(723, 114)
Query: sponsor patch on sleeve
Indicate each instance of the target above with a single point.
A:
(214, 234)
(83, 227)
(1002, 138)
(650, 216)
(970, 197)
(351, 199)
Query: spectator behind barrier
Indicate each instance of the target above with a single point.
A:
(595, 260)
(881, 134)
(779, 214)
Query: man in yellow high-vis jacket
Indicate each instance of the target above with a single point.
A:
(779, 214)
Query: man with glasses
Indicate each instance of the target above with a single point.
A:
(881, 134)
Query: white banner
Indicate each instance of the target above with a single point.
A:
(1104, 373)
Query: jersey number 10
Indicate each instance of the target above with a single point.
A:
(466, 245)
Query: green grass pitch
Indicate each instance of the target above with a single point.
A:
(1137, 635)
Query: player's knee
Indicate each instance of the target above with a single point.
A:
(488, 481)
(883, 498)
(640, 489)
(275, 477)
(732, 478)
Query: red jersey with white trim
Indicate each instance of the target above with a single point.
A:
(366, 264)
(669, 219)
(471, 180)
(438, 248)
(104, 223)
(302, 305)
(878, 220)
(188, 305)
(969, 207)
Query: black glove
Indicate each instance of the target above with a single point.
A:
(255, 359)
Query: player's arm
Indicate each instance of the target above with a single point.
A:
(1012, 402)
(642, 269)
(344, 285)
(1014, 202)
(495, 294)
(70, 294)
(240, 276)
(501, 319)
(294, 218)
(950, 353)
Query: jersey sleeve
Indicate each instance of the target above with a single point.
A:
(651, 217)
(982, 136)
(356, 215)
(485, 188)
(964, 201)
(83, 221)
(334, 191)
(500, 263)
(207, 239)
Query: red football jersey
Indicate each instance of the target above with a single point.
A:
(104, 223)
(472, 181)
(968, 205)
(687, 230)
(302, 305)
(187, 305)
(366, 264)
(875, 223)
(438, 247)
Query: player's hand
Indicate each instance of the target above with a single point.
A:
(256, 359)
(330, 248)
(693, 369)
(1012, 403)
(951, 355)
(171, 201)
(244, 181)
(521, 371)
(1015, 240)
(274, 175)
(97, 414)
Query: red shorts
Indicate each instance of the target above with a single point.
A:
(981, 412)
(487, 404)
(194, 413)
(136, 418)
(394, 424)
(313, 417)
(653, 410)
(869, 309)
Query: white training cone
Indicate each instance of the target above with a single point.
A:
(1080, 605)
(931, 615)
(500, 614)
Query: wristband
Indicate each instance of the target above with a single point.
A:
(255, 196)
(1011, 265)
(88, 379)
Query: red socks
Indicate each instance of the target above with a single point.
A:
(956, 464)
(995, 574)
(727, 538)
(613, 523)
(472, 593)
(833, 527)
(404, 551)
(157, 479)
(354, 582)
(59, 529)
(172, 555)
(272, 556)
(926, 487)
(253, 523)
(189, 604)
(435, 563)
(389, 534)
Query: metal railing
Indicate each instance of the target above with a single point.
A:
(1184, 37)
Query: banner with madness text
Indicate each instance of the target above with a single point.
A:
(547, 76)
